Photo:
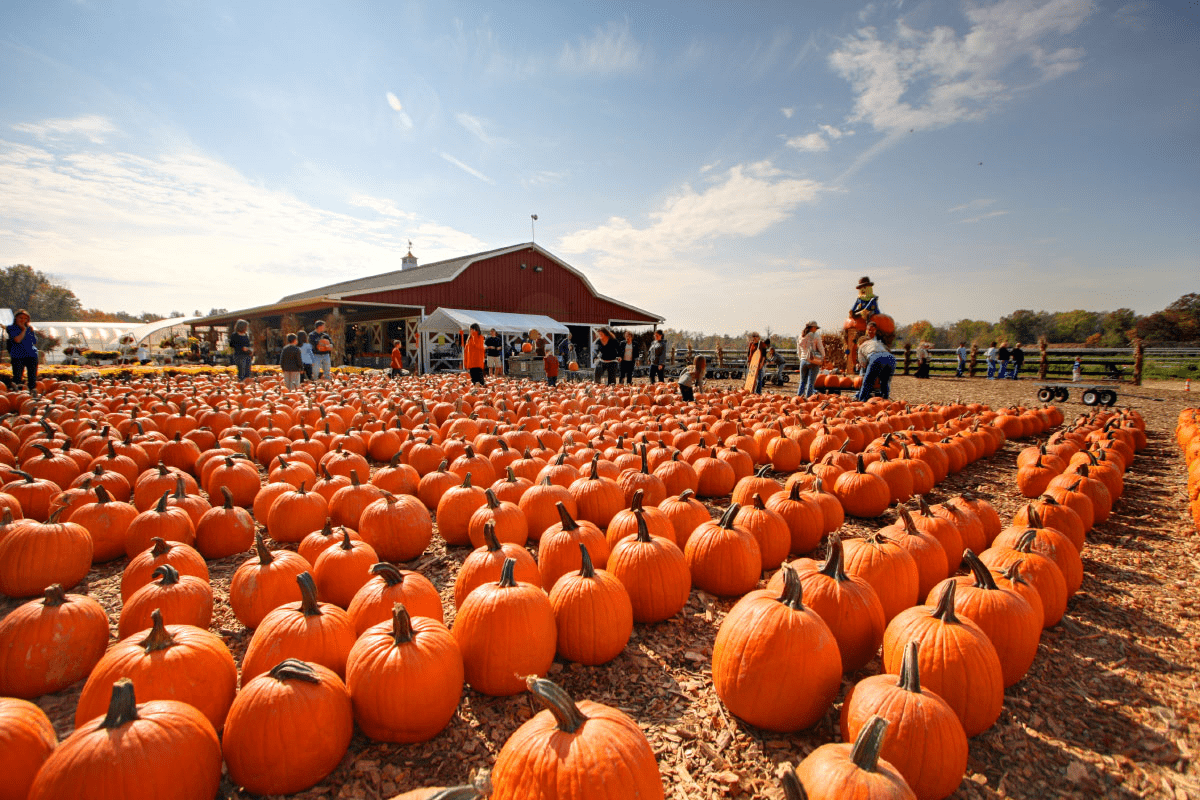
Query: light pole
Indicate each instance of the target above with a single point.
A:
(533, 227)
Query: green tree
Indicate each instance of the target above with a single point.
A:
(1117, 326)
(22, 286)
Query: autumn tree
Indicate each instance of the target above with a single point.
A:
(22, 286)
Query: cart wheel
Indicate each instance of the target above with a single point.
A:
(1045, 395)
(1108, 397)
(1091, 397)
(1061, 394)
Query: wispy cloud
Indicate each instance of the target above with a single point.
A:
(201, 231)
(543, 177)
(835, 133)
(810, 143)
(401, 115)
(787, 112)
(608, 50)
(465, 168)
(750, 199)
(981, 217)
(93, 127)
(924, 80)
(477, 128)
(973, 205)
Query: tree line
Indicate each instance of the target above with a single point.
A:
(21, 286)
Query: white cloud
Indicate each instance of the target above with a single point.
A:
(543, 177)
(787, 112)
(835, 133)
(477, 128)
(709, 167)
(981, 217)
(189, 231)
(923, 80)
(92, 127)
(465, 168)
(811, 143)
(609, 50)
(401, 115)
(751, 199)
(974, 205)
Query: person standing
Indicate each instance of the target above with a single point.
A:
(473, 354)
(22, 342)
(306, 355)
(607, 354)
(239, 341)
(692, 380)
(923, 359)
(764, 347)
(1076, 371)
(811, 350)
(322, 346)
(656, 356)
(551, 363)
(290, 363)
(397, 360)
(991, 361)
(1001, 360)
(1018, 360)
(143, 353)
(961, 352)
(877, 362)
(492, 349)
(629, 355)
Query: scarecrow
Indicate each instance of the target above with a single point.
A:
(864, 310)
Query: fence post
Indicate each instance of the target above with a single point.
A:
(1139, 353)
(691, 357)
(974, 357)
(1043, 367)
(907, 355)
(720, 355)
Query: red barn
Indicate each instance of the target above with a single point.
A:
(368, 313)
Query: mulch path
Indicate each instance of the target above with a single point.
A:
(1111, 707)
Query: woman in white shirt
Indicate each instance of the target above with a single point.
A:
(878, 363)
(993, 356)
(811, 351)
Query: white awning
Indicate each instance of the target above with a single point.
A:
(93, 335)
(143, 332)
(453, 320)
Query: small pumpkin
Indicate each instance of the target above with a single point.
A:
(389, 585)
(318, 632)
(840, 771)
(26, 740)
(592, 613)
(264, 582)
(50, 643)
(183, 600)
(724, 559)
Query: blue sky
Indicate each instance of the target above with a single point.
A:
(729, 166)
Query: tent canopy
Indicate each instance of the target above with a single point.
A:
(95, 335)
(142, 332)
(453, 320)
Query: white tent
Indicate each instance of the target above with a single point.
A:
(453, 320)
(449, 321)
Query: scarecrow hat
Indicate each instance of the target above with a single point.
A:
(812, 323)
(864, 282)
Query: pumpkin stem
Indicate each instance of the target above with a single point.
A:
(466, 484)
(492, 502)
(264, 554)
(568, 524)
(1035, 519)
(643, 533)
(793, 595)
(159, 637)
(390, 572)
(512, 477)
(308, 595)
(758, 502)
(636, 503)
(910, 672)
(793, 789)
(944, 610)
(730, 513)
(161, 508)
(560, 704)
(586, 570)
(402, 630)
(865, 753)
(595, 474)
(983, 576)
(507, 581)
(685, 495)
(55, 596)
(489, 536)
(835, 561)
(795, 494)
(293, 669)
(1025, 543)
(346, 543)
(225, 491)
(122, 708)
(102, 495)
(169, 575)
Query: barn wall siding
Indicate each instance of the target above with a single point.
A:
(499, 284)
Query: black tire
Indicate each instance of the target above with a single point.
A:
(1108, 397)
(1045, 395)
(1091, 397)
(1061, 394)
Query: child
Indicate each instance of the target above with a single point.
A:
(306, 355)
(291, 363)
(692, 381)
(551, 362)
(397, 360)
(1076, 371)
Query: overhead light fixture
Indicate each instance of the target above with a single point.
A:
(523, 266)
(538, 268)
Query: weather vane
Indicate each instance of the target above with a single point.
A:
(532, 227)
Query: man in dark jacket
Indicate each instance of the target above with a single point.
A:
(656, 355)
(607, 356)
(1018, 358)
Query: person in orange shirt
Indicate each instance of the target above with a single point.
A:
(473, 353)
(397, 360)
(551, 362)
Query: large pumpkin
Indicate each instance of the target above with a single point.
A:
(164, 748)
(840, 771)
(775, 662)
(592, 613)
(723, 558)
(318, 632)
(571, 749)
(34, 555)
(26, 740)
(50, 643)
